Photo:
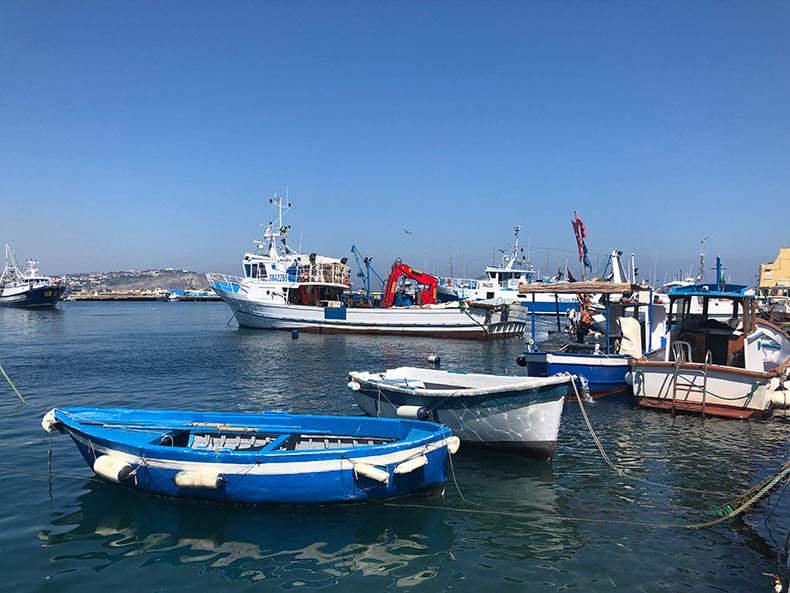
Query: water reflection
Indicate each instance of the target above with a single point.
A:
(512, 508)
(318, 545)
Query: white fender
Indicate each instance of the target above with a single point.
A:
(453, 444)
(411, 465)
(48, 422)
(372, 472)
(111, 468)
(413, 412)
(780, 399)
(353, 386)
(211, 480)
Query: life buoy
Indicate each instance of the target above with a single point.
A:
(304, 277)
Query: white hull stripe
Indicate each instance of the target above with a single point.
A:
(264, 468)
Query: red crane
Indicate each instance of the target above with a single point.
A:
(399, 269)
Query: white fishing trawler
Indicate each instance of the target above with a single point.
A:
(285, 289)
(27, 289)
(501, 284)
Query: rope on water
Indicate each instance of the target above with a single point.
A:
(735, 507)
(620, 471)
(452, 471)
(531, 516)
(49, 474)
(11, 383)
(748, 499)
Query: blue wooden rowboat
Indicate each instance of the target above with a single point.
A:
(272, 457)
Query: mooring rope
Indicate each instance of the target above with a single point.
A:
(735, 507)
(620, 471)
(452, 468)
(625, 472)
(49, 474)
(531, 516)
(11, 383)
(748, 499)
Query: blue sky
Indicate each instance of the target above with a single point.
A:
(136, 135)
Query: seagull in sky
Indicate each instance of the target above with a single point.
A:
(407, 232)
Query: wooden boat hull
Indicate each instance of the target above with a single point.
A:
(730, 393)
(523, 420)
(265, 476)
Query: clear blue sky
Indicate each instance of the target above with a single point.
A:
(137, 135)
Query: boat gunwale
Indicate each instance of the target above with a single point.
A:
(698, 366)
(432, 434)
(535, 383)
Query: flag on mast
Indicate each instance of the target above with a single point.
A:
(581, 232)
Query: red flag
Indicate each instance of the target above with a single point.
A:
(581, 233)
(579, 225)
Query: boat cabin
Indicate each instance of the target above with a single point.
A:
(697, 337)
(508, 277)
(744, 341)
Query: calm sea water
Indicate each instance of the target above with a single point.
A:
(568, 525)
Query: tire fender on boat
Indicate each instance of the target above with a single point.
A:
(112, 469)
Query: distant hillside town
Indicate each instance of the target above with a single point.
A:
(162, 280)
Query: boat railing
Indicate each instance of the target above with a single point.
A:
(331, 273)
(223, 281)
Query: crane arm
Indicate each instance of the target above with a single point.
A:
(399, 270)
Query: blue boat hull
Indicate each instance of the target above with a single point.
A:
(35, 298)
(549, 308)
(540, 307)
(260, 477)
(605, 374)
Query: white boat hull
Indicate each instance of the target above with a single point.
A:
(421, 321)
(521, 415)
(531, 429)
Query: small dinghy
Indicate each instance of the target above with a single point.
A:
(520, 414)
(272, 457)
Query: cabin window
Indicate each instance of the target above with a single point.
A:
(247, 270)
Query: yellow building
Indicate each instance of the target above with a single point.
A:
(775, 277)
